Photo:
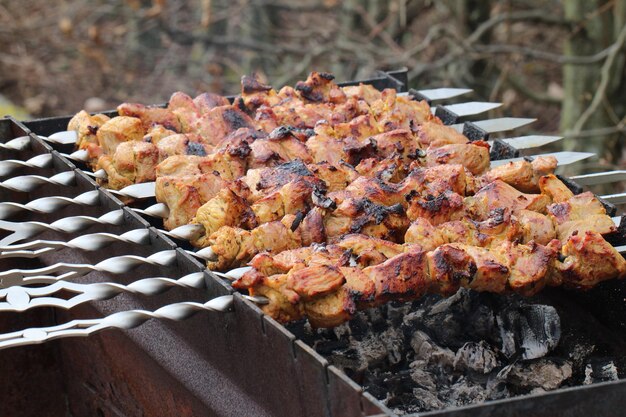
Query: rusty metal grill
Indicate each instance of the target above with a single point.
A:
(236, 363)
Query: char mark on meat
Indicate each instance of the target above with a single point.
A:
(251, 84)
(235, 119)
(195, 148)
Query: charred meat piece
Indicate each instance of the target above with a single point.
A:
(522, 175)
(319, 88)
(474, 156)
(329, 294)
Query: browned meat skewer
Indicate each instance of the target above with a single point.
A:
(328, 289)
(233, 246)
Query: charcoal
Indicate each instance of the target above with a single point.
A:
(371, 351)
(477, 357)
(532, 330)
(327, 347)
(543, 373)
(540, 330)
(422, 377)
(600, 371)
(437, 352)
(427, 400)
(427, 350)
(393, 339)
(464, 392)
(359, 326)
(342, 330)
(348, 360)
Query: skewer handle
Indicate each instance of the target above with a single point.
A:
(28, 183)
(121, 320)
(18, 299)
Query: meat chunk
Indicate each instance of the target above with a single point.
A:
(588, 260)
(151, 116)
(117, 130)
(86, 127)
(225, 209)
(132, 163)
(581, 213)
(185, 195)
(474, 156)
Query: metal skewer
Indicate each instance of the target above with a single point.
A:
(148, 189)
(89, 242)
(8, 166)
(28, 183)
(121, 320)
(26, 230)
(19, 298)
(18, 144)
(49, 204)
(114, 265)
(600, 177)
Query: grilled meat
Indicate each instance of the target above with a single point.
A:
(448, 218)
(330, 292)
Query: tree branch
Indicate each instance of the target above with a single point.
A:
(605, 78)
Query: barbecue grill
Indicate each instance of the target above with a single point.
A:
(239, 362)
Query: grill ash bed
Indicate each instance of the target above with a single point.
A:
(556, 353)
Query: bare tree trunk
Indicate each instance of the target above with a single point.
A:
(597, 30)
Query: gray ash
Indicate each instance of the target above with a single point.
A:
(437, 352)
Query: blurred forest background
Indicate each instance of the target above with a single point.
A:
(560, 61)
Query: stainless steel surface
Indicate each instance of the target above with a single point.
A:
(114, 265)
(48, 204)
(66, 137)
(600, 178)
(18, 144)
(88, 242)
(18, 298)
(28, 183)
(121, 320)
(530, 141)
(80, 155)
(436, 94)
(615, 198)
(233, 274)
(187, 232)
(470, 108)
(73, 224)
(501, 124)
(156, 210)
(563, 158)
(138, 191)
(9, 166)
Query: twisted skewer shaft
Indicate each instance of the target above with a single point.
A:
(19, 298)
(28, 183)
(26, 230)
(48, 204)
(122, 320)
(89, 242)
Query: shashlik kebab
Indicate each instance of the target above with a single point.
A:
(327, 283)
(204, 123)
(565, 217)
(294, 188)
(234, 246)
(329, 290)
